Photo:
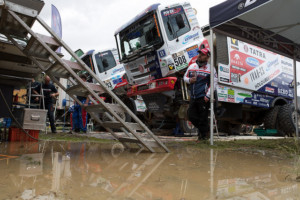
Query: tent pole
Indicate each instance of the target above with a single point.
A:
(211, 88)
(295, 96)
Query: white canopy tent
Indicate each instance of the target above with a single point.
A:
(270, 24)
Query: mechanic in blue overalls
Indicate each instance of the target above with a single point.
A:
(80, 116)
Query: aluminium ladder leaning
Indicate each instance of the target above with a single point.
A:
(16, 22)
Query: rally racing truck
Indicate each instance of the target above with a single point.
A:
(156, 47)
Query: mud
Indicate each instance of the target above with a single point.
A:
(65, 170)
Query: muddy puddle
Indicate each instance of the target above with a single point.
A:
(52, 170)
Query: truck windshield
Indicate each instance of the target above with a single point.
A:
(105, 61)
(139, 36)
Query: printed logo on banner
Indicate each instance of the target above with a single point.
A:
(234, 42)
(286, 63)
(271, 64)
(255, 74)
(224, 80)
(265, 80)
(270, 90)
(252, 62)
(224, 69)
(162, 53)
(246, 81)
(239, 68)
(283, 92)
(235, 77)
(189, 37)
(222, 96)
(237, 56)
(231, 95)
(235, 48)
(245, 4)
(171, 12)
(275, 84)
(257, 53)
(239, 100)
(171, 66)
(192, 51)
(237, 60)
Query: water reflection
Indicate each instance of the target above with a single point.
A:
(51, 170)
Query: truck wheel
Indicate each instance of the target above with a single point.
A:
(229, 128)
(123, 115)
(286, 119)
(187, 127)
(223, 126)
(270, 118)
(235, 129)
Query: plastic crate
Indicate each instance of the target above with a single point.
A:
(265, 132)
(17, 134)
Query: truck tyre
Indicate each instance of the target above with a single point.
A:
(270, 118)
(286, 119)
(187, 127)
(235, 129)
(223, 126)
(229, 128)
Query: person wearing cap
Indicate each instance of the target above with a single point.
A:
(198, 76)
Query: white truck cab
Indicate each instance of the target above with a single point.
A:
(156, 47)
(159, 42)
(107, 67)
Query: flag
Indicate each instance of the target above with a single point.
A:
(56, 24)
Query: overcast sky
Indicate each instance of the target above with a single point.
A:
(91, 24)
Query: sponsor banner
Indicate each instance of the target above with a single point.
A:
(224, 73)
(236, 95)
(192, 51)
(140, 105)
(257, 69)
(56, 25)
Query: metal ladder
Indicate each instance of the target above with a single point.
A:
(41, 50)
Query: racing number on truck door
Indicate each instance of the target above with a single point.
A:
(180, 60)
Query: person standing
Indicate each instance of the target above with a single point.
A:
(198, 76)
(34, 91)
(49, 92)
(79, 115)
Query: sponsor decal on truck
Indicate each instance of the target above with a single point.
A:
(257, 70)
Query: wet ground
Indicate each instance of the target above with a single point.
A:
(65, 170)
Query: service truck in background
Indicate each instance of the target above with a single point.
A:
(105, 64)
(255, 86)
(156, 47)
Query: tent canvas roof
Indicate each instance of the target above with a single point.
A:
(271, 24)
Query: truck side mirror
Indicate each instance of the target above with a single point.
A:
(180, 21)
